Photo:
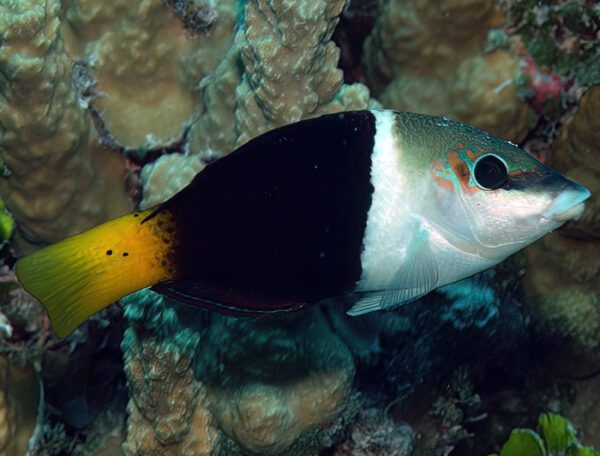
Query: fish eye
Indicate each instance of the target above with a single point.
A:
(491, 173)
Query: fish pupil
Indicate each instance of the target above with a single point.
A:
(490, 172)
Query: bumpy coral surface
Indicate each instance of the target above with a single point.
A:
(53, 166)
(430, 59)
(564, 268)
(146, 63)
(168, 411)
(274, 380)
(92, 91)
(289, 73)
(167, 175)
(236, 386)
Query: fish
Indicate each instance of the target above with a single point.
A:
(380, 205)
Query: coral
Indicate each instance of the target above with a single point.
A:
(562, 35)
(197, 15)
(375, 433)
(292, 74)
(215, 130)
(165, 176)
(251, 386)
(166, 403)
(289, 73)
(168, 410)
(564, 268)
(414, 44)
(19, 395)
(274, 379)
(557, 437)
(263, 391)
(53, 168)
(145, 64)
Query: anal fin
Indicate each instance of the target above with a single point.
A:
(226, 300)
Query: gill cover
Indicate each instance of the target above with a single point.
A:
(507, 195)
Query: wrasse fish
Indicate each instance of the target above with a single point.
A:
(383, 204)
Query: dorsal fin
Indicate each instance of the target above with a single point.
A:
(226, 300)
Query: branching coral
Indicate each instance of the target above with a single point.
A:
(177, 79)
(290, 62)
(168, 411)
(289, 72)
(53, 168)
(250, 387)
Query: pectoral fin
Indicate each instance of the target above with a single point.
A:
(416, 277)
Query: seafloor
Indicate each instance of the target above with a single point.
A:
(108, 106)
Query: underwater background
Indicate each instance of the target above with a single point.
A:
(110, 106)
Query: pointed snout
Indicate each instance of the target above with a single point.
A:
(569, 204)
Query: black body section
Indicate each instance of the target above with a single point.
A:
(283, 217)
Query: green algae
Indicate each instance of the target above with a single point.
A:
(7, 223)
(556, 437)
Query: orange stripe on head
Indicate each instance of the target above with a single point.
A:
(460, 168)
(443, 183)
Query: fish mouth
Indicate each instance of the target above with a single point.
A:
(568, 205)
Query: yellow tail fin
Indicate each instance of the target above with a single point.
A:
(83, 274)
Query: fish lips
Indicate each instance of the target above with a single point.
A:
(569, 204)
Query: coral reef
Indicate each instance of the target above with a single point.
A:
(432, 60)
(559, 35)
(274, 380)
(165, 176)
(289, 76)
(259, 393)
(145, 65)
(92, 92)
(563, 274)
(375, 433)
(19, 396)
(45, 133)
